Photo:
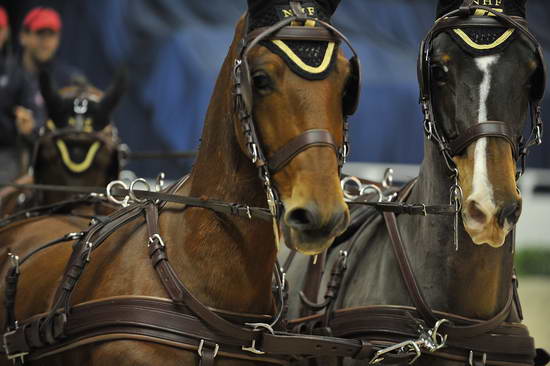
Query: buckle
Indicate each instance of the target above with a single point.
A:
(471, 361)
(255, 326)
(9, 355)
(152, 240)
(201, 347)
(429, 340)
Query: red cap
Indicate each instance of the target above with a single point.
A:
(4, 22)
(42, 18)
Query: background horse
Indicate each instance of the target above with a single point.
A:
(225, 261)
(79, 145)
(473, 281)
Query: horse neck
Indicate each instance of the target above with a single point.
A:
(231, 258)
(473, 281)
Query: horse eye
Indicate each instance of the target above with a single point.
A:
(262, 81)
(440, 74)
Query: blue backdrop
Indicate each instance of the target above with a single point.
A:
(174, 49)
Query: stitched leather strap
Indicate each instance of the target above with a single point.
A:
(306, 140)
(485, 129)
(293, 33)
(419, 300)
(508, 344)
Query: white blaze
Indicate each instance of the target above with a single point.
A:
(482, 190)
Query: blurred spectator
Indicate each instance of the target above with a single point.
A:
(16, 103)
(40, 40)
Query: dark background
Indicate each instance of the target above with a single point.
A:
(173, 50)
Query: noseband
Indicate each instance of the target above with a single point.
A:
(463, 18)
(243, 87)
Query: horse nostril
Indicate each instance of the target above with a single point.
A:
(302, 219)
(510, 213)
(475, 212)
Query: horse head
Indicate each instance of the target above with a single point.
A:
(298, 94)
(79, 145)
(483, 80)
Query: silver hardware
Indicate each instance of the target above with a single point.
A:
(131, 192)
(538, 135)
(152, 240)
(429, 340)
(159, 183)
(75, 236)
(372, 187)
(456, 197)
(80, 106)
(110, 197)
(15, 262)
(345, 183)
(471, 359)
(9, 356)
(344, 254)
(201, 345)
(90, 246)
(407, 346)
(248, 213)
(253, 150)
(315, 259)
(388, 178)
(363, 189)
(424, 213)
(252, 348)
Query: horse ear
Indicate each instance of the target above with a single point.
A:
(110, 101)
(54, 101)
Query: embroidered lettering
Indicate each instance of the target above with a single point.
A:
(287, 13)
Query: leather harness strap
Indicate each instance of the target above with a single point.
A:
(485, 129)
(508, 344)
(419, 300)
(306, 140)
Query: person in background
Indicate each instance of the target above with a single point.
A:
(40, 38)
(16, 107)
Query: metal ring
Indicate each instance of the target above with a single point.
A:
(131, 190)
(353, 180)
(111, 197)
(372, 187)
(388, 178)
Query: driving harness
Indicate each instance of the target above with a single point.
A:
(180, 321)
(404, 329)
(474, 342)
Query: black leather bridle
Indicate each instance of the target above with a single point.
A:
(243, 88)
(463, 18)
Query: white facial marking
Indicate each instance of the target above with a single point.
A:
(482, 190)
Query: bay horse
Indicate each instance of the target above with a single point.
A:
(226, 262)
(78, 146)
(464, 90)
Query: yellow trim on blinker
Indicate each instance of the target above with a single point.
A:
(312, 70)
(503, 38)
(77, 167)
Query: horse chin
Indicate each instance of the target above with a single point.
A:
(491, 234)
(304, 242)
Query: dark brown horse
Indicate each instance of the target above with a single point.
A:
(77, 147)
(474, 278)
(226, 262)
